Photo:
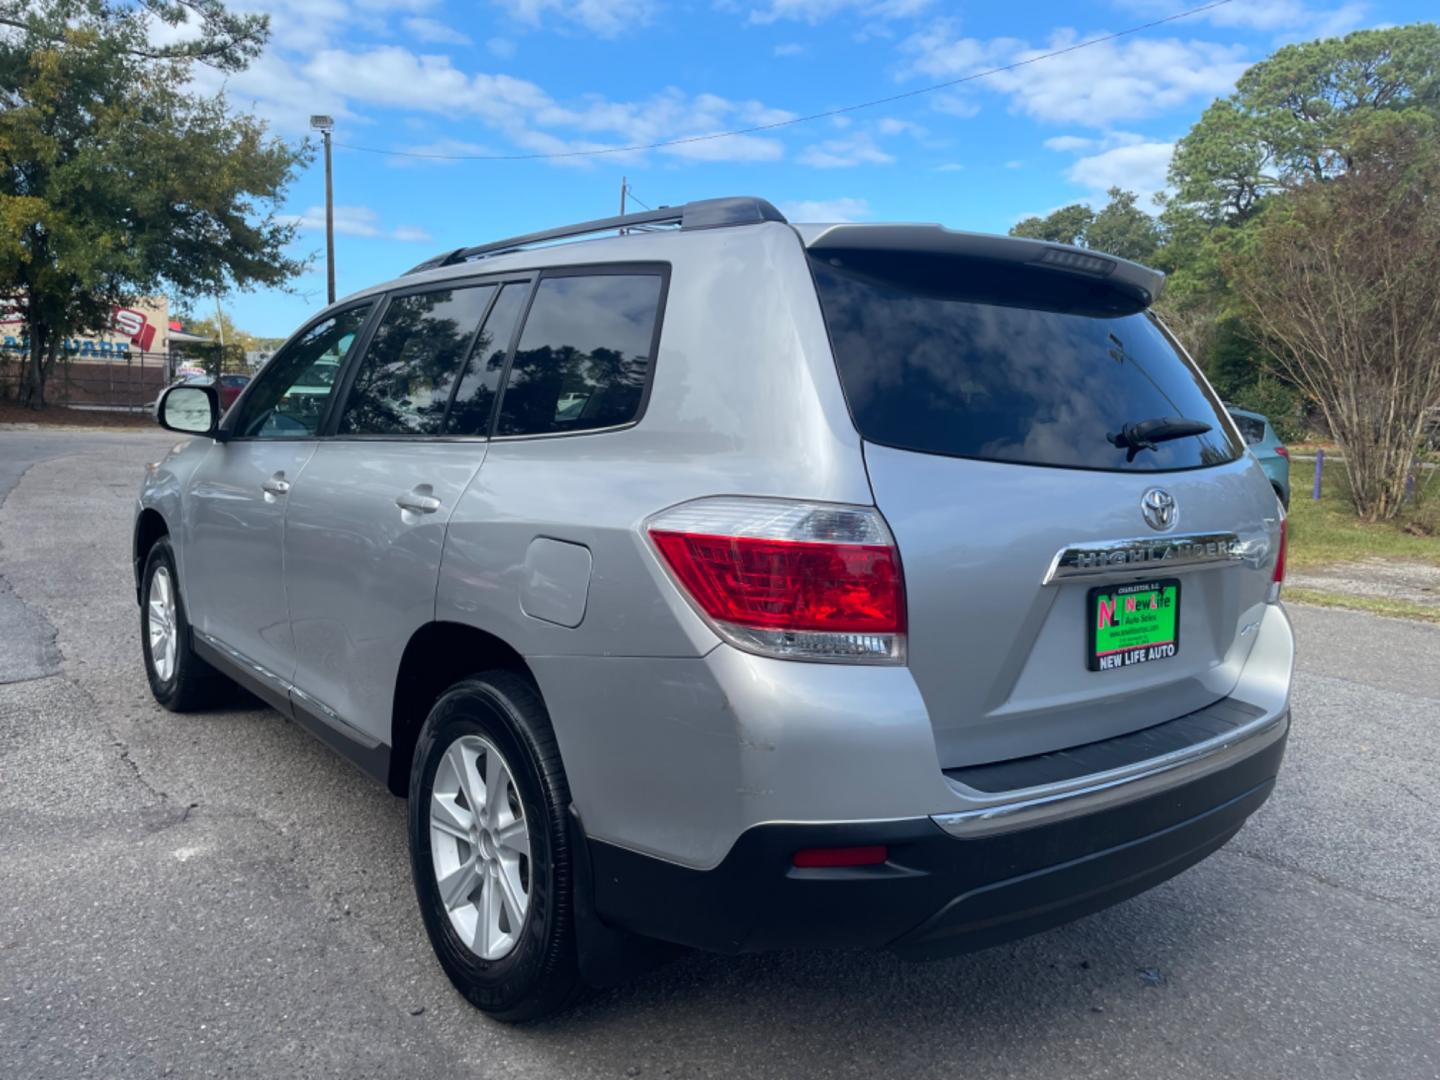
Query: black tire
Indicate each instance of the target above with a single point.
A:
(539, 976)
(193, 684)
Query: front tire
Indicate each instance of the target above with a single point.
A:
(179, 679)
(490, 848)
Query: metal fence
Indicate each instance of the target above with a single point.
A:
(130, 382)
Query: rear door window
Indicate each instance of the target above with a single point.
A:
(584, 357)
(951, 356)
(470, 411)
(403, 383)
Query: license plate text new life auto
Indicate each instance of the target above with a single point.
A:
(1133, 624)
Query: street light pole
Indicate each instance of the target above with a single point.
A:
(325, 125)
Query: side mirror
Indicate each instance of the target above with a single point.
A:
(190, 410)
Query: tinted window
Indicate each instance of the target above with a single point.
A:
(1250, 427)
(584, 355)
(470, 412)
(404, 380)
(290, 396)
(947, 356)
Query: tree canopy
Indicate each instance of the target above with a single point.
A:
(1294, 116)
(114, 181)
(1118, 228)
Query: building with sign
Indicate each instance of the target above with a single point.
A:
(143, 327)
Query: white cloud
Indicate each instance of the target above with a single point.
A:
(504, 48)
(1138, 167)
(1014, 164)
(790, 48)
(733, 148)
(858, 149)
(956, 103)
(383, 6)
(349, 220)
(1271, 15)
(950, 166)
(1095, 86)
(817, 11)
(1067, 144)
(439, 152)
(355, 221)
(434, 32)
(607, 18)
(826, 210)
(891, 126)
(349, 84)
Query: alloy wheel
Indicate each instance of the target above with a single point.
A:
(164, 636)
(480, 846)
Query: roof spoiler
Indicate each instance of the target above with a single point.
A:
(701, 214)
(1141, 282)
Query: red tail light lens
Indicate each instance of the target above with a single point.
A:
(798, 580)
(1282, 451)
(788, 584)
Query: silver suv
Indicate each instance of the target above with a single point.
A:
(735, 584)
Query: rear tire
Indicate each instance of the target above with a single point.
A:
(179, 679)
(490, 848)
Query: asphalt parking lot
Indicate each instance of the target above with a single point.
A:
(219, 895)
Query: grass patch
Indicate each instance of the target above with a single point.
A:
(1327, 532)
(1376, 605)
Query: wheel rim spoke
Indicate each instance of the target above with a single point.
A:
(508, 880)
(160, 611)
(457, 886)
(480, 846)
(450, 817)
(514, 838)
(497, 782)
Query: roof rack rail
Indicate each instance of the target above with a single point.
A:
(701, 214)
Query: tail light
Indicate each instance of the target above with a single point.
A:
(1278, 577)
(796, 580)
(1282, 451)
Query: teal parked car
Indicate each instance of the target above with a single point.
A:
(1266, 446)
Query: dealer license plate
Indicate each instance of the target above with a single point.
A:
(1133, 624)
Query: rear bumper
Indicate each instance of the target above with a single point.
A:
(939, 893)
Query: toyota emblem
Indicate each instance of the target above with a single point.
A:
(1159, 509)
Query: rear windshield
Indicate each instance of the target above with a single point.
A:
(1012, 364)
(1250, 427)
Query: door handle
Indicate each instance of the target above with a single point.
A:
(276, 486)
(418, 501)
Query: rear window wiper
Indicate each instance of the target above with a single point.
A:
(1143, 436)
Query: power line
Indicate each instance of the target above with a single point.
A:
(842, 110)
(631, 192)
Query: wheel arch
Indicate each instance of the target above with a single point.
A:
(150, 526)
(438, 655)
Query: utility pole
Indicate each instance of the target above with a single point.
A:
(624, 183)
(325, 125)
(219, 329)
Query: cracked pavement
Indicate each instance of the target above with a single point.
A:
(219, 895)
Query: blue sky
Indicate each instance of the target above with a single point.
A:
(541, 76)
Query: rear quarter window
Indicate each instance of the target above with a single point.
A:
(950, 356)
(585, 353)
